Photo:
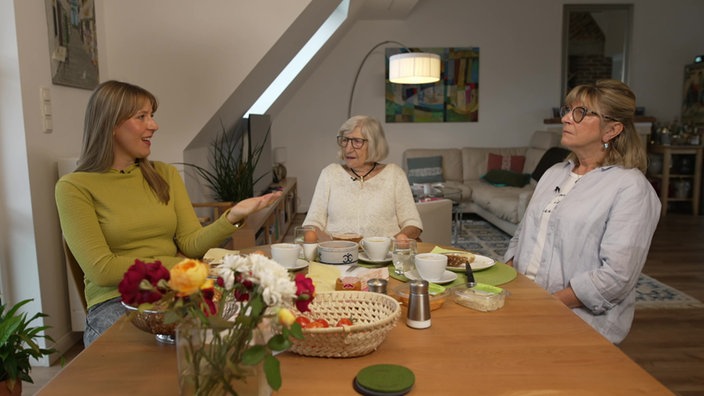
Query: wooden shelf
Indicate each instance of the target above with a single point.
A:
(665, 178)
(271, 224)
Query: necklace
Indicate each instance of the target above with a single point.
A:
(361, 178)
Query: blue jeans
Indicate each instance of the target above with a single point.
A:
(100, 317)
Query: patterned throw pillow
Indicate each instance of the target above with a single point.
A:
(513, 163)
(425, 170)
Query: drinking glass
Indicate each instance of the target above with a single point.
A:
(403, 251)
(306, 237)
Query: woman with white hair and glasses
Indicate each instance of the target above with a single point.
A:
(587, 229)
(362, 195)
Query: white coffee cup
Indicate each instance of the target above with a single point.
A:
(431, 266)
(285, 254)
(377, 248)
(309, 251)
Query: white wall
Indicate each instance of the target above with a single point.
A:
(519, 75)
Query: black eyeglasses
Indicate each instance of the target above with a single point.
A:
(356, 142)
(579, 112)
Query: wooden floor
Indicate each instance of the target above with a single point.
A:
(667, 343)
(670, 343)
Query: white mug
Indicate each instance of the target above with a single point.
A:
(431, 266)
(377, 248)
(309, 250)
(285, 254)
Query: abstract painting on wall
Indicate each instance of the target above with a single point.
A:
(73, 47)
(455, 98)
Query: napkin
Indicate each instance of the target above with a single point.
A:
(215, 255)
(324, 276)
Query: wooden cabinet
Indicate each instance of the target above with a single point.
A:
(269, 225)
(676, 184)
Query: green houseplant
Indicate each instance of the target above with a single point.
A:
(17, 346)
(230, 175)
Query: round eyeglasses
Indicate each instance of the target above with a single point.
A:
(357, 143)
(579, 112)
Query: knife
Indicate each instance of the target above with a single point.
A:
(468, 272)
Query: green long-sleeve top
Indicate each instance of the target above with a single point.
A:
(110, 219)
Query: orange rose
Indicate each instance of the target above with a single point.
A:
(188, 276)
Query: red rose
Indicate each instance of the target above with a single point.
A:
(305, 290)
(139, 284)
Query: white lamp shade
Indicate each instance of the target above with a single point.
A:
(414, 68)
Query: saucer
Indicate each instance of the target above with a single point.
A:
(300, 264)
(363, 256)
(447, 277)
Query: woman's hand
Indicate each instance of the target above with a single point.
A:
(246, 207)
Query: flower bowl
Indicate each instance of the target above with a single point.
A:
(373, 314)
(152, 321)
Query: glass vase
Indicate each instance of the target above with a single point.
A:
(205, 367)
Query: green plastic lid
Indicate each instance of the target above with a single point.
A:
(385, 378)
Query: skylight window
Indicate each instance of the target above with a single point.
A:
(321, 36)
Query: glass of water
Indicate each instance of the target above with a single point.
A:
(403, 251)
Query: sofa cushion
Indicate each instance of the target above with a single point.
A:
(503, 178)
(552, 156)
(451, 161)
(503, 202)
(475, 160)
(513, 163)
(425, 169)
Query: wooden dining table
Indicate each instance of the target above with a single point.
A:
(534, 345)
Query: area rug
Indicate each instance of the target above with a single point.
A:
(480, 237)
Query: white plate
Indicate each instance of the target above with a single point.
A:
(363, 256)
(479, 263)
(300, 264)
(447, 277)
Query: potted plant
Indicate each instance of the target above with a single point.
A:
(17, 346)
(230, 175)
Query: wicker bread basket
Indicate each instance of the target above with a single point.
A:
(374, 315)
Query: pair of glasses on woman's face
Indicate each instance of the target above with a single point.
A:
(357, 143)
(579, 112)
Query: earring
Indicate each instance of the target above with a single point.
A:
(605, 146)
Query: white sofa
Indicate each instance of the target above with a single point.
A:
(463, 168)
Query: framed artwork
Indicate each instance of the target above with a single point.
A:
(693, 94)
(73, 48)
(455, 98)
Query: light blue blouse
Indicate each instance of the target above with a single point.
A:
(597, 241)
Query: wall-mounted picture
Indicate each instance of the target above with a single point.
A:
(693, 94)
(72, 43)
(455, 98)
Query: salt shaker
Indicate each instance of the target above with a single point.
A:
(418, 305)
(377, 285)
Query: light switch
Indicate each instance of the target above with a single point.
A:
(45, 108)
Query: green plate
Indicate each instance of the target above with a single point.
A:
(387, 379)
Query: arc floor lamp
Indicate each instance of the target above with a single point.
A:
(411, 67)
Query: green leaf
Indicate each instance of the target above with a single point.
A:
(279, 343)
(254, 355)
(273, 372)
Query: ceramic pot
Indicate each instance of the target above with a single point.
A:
(5, 391)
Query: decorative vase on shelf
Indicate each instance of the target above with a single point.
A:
(205, 365)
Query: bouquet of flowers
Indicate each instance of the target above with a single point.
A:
(241, 311)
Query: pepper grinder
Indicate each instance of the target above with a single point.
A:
(418, 305)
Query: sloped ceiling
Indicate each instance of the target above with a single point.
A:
(386, 9)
